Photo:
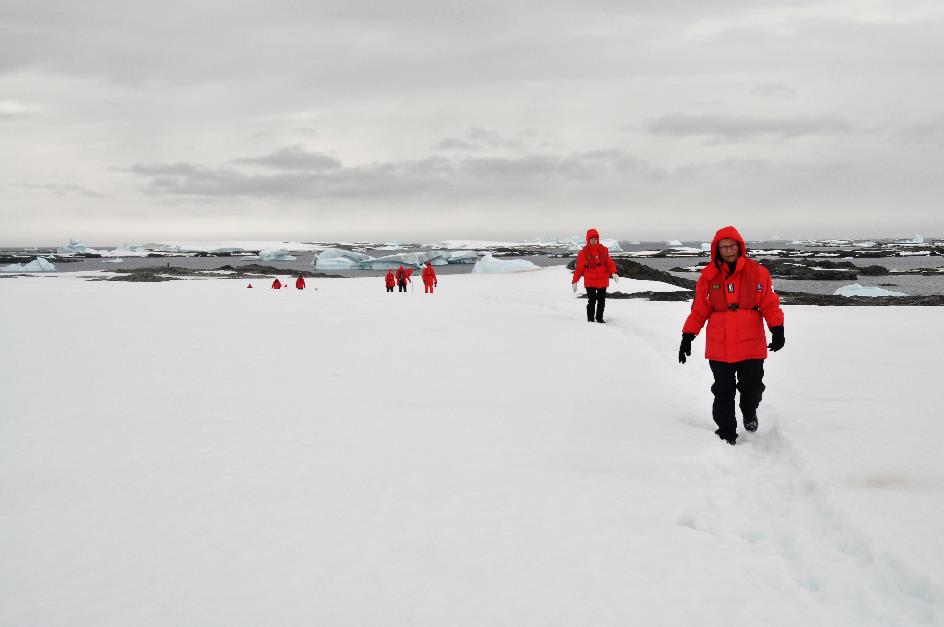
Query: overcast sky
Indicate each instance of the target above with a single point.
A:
(433, 119)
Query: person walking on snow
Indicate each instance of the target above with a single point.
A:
(735, 296)
(429, 278)
(300, 282)
(596, 267)
(276, 284)
(389, 281)
(401, 277)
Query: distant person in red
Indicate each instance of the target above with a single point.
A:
(429, 278)
(389, 281)
(735, 296)
(596, 267)
(276, 284)
(300, 282)
(402, 277)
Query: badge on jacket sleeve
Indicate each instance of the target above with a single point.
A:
(731, 288)
(760, 287)
(715, 286)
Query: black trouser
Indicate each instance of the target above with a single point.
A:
(402, 287)
(596, 297)
(749, 382)
(390, 289)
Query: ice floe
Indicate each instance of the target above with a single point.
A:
(37, 265)
(75, 247)
(275, 254)
(860, 290)
(490, 265)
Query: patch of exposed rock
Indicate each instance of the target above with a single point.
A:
(627, 268)
(654, 296)
(172, 273)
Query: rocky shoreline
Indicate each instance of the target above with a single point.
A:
(636, 270)
(803, 298)
(173, 273)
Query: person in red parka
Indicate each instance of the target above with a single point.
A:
(300, 282)
(276, 284)
(596, 267)
(429, 278)
(402, 276)
(735, 296)
(389, 281)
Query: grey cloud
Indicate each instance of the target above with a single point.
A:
(356, 44)
(476, 139)
(62, 189)
(743, 128)
(929, 131)
(444, 177)
(773, 90)
(458, 144)
(750, 168)
(293, 158)
(168, 169)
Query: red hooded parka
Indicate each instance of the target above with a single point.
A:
(401, 276)
(429, 275)
(300, 282)
(594, 263)
(276, 284)
(735, 304)
(389, 281)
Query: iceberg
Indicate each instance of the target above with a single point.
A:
(489, 265)
(612, 245)
(37, 265)
(75, 247)
(391, 245)
(419, 259)
(462, 256)
(706, 246)
(406, 259)
(275, 254)
(127, 250)
(163, 247)
(339, 259)
(916, 240)
(859, 290)
(673, 242)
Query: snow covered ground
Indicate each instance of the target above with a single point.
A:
(195, 453)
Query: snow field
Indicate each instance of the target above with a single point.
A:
(196, 453)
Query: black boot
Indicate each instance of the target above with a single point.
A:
(750, 423)
(729, 438)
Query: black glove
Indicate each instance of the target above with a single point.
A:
(776, 338)
(685, 348)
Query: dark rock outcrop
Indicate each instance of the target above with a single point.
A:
(654, 296)
(815, 269)
(157, 274)
(630, 269)
(803, 298)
